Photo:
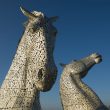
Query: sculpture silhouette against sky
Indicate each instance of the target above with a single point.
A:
(75, 94)
(33, 68)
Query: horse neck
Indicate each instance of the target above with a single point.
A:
(90, 94)
(17, 67)
(76, 94)
(16, 83)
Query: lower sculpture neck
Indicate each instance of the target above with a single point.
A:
(75, 92)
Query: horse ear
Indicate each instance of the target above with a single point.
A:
(62, 65)
(53, 19)
(27, 13)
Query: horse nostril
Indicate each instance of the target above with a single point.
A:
(40, 74)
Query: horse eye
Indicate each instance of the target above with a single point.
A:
(35, 27)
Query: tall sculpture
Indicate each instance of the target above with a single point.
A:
(75, 94)
(33, 68)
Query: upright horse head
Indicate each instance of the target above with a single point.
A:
(42, 33)
(33, 68)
